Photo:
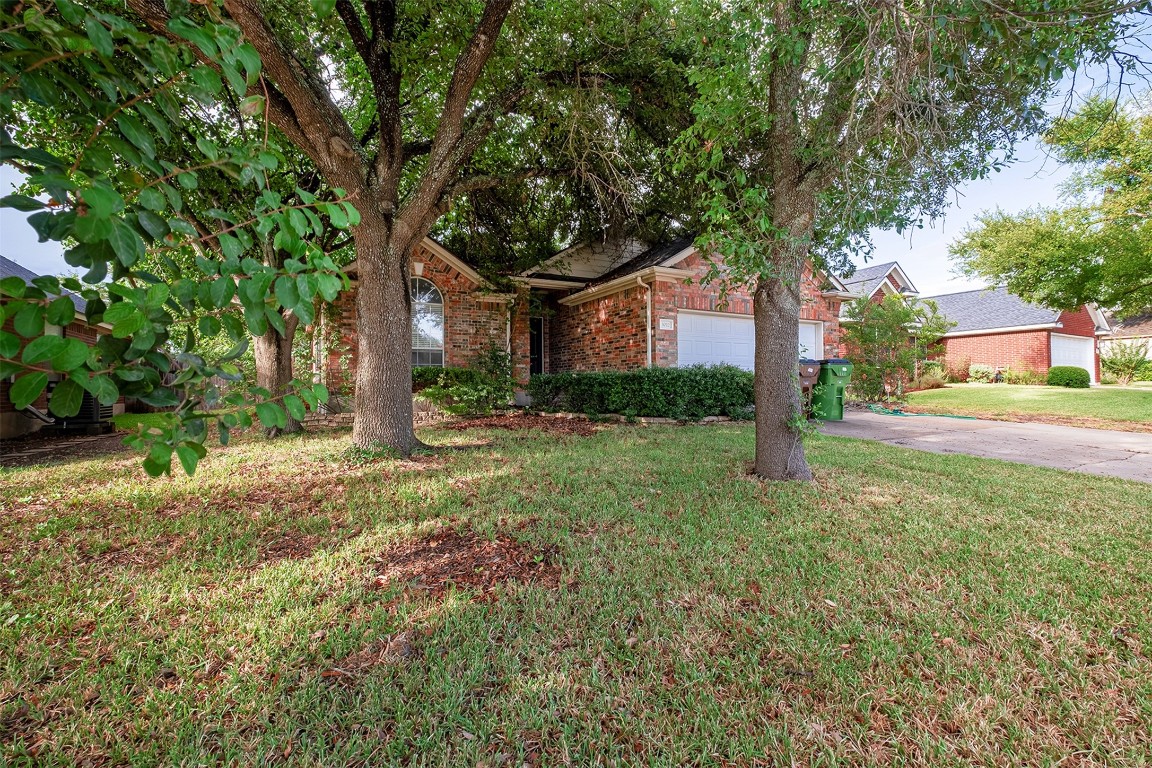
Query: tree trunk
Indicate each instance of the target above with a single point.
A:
(779, 415)
(273, 354)
(384, 341)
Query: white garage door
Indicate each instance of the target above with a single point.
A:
(1075, 350)
(714, 339)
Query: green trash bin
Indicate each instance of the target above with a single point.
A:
(828, 395)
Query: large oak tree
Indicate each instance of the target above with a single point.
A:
(409, 105)
(817, 121)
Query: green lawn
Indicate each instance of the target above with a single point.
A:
(908, 608)
(1110, 406)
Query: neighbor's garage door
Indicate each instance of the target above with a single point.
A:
(714, 339)
(1075, 350)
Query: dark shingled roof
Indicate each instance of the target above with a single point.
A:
(652, 257)
(1136, 325)
(991, 308)
(9, 268)
(864, 282)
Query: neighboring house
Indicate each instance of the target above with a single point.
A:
(880, 280)
(996, 328)
(14, 423)
(1136, 329)
(614, 306)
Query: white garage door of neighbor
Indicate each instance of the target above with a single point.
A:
(1079, 351)
(714, 339)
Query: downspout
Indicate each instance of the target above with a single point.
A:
(647, 317)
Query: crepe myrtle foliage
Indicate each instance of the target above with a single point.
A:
(818, 121)
(116, 204)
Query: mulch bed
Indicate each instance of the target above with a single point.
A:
(467, 561)
(517, 421)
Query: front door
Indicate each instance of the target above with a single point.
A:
(535, 345)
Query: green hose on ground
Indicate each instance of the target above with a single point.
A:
(897, 412)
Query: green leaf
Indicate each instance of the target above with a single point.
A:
(71, 355)
(222, 291)
(230, 246)
(188, 459)
(322, 8)
(102, 387)
(66, 399)
(27, 388)
(9, 344)
(102, 201)
(286, 292)
(41, 348)
(60, 311)
(13, 286)
(152, 198)
(136, 133)
(100, 36)
(21, 203)
(271, 415)
(154, 225)
(295, 407)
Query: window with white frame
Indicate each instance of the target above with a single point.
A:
(427, 323)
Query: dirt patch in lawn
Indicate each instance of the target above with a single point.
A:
(467, 561)
(554, 425)
(1086, 422)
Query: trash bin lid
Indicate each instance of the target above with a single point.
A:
(808, 361)
(835, 361)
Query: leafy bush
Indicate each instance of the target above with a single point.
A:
(473, 391)
(1145, 373)
(1124, 360)
(1025, 376)
(1068, 376)
(677, 393)
(886, 341)
(934, 368)
(981, 373)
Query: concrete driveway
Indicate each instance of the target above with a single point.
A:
(1097, 451)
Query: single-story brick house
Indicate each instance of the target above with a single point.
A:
(1135, 329)
(996, 328)
(604, 306)
(15, 423)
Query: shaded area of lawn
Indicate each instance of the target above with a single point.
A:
(1103, 407)
(641, 600)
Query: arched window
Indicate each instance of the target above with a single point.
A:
(427, 323)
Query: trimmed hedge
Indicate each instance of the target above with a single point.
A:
(1068, 376)
(675, 393)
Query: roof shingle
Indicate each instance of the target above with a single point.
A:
(988, 308)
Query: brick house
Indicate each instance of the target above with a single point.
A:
(996, 328)
(15, 423)
(603, 306)
(880, 280)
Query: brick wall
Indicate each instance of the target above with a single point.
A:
(1022, 350)
(600, 335)
(1080, 323)
(472, 319)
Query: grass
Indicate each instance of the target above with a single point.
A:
(1105, 407)
(907, 609)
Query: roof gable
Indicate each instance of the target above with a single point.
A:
(868, 280)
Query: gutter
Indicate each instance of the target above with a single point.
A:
(626, 282)
(1008, 329)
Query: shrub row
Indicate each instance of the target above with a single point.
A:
(1068, 376)
(675, 393)
(432, 376)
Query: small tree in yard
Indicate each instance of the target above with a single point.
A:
(887, 341)
(1124, 360)
(817, 121)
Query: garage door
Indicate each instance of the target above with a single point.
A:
(714, 339)
(1075, 350)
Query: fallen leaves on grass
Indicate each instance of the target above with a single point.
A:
(466, 561)
(518, 421)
